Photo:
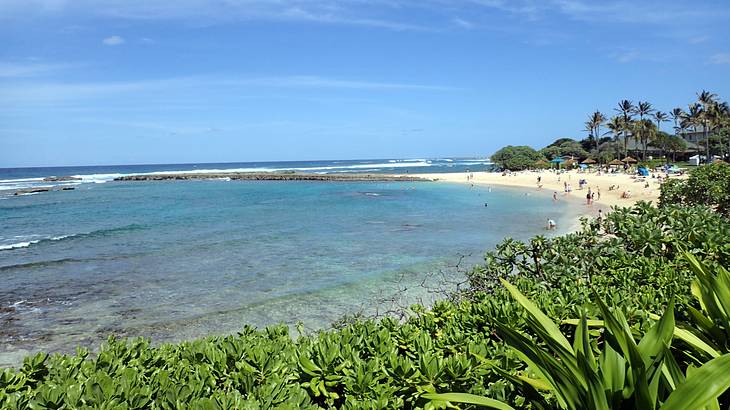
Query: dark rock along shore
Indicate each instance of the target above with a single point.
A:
(268, 176)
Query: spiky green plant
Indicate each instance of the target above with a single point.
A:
(614, 373)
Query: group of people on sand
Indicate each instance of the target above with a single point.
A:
(592, 196)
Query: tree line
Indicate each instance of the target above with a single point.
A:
(608, 138)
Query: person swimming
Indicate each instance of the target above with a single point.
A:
(551, 224)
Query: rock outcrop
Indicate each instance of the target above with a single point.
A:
(272, 176)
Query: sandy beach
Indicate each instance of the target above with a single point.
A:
(553, 182)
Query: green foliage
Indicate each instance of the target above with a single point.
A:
(516, 157)
(565, 146)
(709, 333)
(609, 371)
(707, 185)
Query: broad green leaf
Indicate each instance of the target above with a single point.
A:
(702, 387)
(469, 399)
(550, 327)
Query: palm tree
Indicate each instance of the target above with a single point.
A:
(593, 125)
(677, 115)
(708, 101)
(723, 120)
(691, 118)
(660, 117)
(642, 109)
(626, 108)
(615, 127)
(643, 131)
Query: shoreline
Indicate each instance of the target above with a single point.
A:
(553, 182)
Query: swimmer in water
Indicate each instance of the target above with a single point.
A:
(550, 224)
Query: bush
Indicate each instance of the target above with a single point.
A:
(516, 157)
(708, 185)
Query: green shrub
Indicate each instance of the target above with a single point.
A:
(516, 157)
(708, 185)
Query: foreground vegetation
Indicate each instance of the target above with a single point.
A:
(627, 313)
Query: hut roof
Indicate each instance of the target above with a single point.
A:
(616, 162)
(628, 160)
(589, 161)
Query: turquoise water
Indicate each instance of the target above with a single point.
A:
(177, 260)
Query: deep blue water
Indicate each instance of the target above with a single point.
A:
(182, 259)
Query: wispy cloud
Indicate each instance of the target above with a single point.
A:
(626, 56)
(28, 69)
(113, 41)
(720, 58)
(51, 92)
(393, 15)
(462, 23)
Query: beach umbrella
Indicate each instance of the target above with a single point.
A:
(588, 161)
(629, 160)
(616, 162)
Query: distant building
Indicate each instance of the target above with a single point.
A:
(637, 148)
(693, 135)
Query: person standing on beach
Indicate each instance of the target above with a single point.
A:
(555, 196)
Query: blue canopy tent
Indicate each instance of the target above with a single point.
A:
(558, 161)
(643, 172)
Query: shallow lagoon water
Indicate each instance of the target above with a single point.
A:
(177, 260)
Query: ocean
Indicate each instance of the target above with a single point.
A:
(174, 260)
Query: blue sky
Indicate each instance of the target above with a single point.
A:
(157, 81)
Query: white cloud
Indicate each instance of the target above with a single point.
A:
(388, 14)
(626, 56)
(462, 23)
(113, 41)
(32, 93)
(28, 69)
(720, 58)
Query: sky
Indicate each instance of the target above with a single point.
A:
(92, 82)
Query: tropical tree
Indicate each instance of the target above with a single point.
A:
(643, 109)
(691, 118)
(594, 125)
(516, 157)
(674, 144)
(707, 101)
(626, 109)
(660, 117)
(615, 127)
(644, 130)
